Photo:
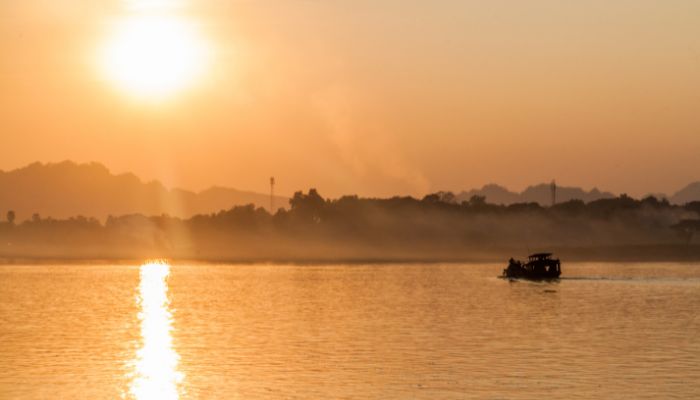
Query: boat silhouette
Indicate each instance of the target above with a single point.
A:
(540, 266)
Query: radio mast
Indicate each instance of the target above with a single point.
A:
(272, 195)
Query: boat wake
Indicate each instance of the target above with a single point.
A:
(648, 279)
(638, 279)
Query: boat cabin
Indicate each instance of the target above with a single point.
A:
(539, 257)
(539, 266)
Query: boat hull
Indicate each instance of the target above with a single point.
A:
(540, 267)
(533, 276)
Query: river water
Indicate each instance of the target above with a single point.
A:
(416, 331)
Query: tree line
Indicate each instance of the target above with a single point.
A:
(436, 227)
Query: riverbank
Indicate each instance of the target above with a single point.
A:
(628, 253)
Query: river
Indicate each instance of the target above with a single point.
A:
(391, 331)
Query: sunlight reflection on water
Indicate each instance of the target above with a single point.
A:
(155, 366)
(397, 331)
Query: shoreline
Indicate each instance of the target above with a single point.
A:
(631, 253)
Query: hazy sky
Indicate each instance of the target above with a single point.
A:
(371, 97)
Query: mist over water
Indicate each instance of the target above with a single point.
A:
(421, 331)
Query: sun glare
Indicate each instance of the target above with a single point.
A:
(140, 5)
(154, 56)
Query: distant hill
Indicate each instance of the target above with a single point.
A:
(687, 194)
(537, 194)
(542, 194)
(66, 189)
(493, 193)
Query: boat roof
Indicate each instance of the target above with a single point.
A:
(539, 255)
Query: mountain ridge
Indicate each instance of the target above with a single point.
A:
(66, 189)
(690, 192)
(541, 193)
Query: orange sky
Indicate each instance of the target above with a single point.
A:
(370, 97)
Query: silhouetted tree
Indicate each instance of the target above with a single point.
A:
(434, 226)
(431, 198)
(524, 207)
(693, 206)
(440, 197)
(687, 228)
(571, 207)
(11, 217)
(477, 201)
(604, 208)
(653, 202)
(308, 206)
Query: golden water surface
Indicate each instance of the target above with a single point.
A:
(155, 331)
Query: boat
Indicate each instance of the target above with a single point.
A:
(540, 266)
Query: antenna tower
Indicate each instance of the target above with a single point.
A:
(272, 195)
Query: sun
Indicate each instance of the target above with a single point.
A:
(154, 57)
